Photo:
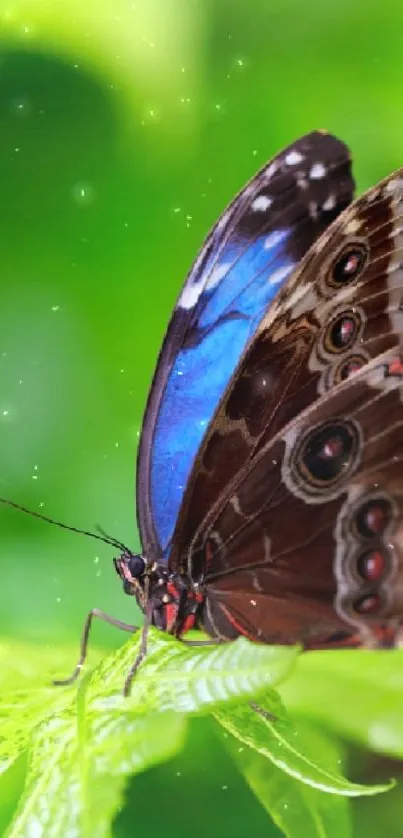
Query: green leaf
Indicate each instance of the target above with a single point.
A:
(294, 807)
(265, 728)
(187, 679)
(357, 694)
(24, 704)
(84, 745)
(75, 782)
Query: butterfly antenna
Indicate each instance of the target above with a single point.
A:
(103, 537)
(110, 540)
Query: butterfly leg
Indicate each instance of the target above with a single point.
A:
(142, 650)
(84, 641)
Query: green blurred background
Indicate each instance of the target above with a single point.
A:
(125, 129)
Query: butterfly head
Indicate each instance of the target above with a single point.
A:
(131, 567)
(173, 604)
(144, 580)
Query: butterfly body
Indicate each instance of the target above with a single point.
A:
(270, 486)
(175, 602)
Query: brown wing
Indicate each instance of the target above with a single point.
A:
(311, 541)
(341, 308)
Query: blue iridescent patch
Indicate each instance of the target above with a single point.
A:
(200, 373)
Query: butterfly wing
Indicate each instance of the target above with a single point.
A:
(340, 308)
(270, 548)
(311, 541)
(254, 247)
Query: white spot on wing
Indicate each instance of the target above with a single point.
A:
(297, 295)
(280, 274)
(271, 170)
(293, 157)
(275, 238)
(318, 171)
(352, 226)
(217, 274)
(261, 203)
(330, 203)
(394, 186)
(192, 291)
(190, 295)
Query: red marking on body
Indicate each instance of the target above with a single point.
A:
(171, 608)
(171, 613)
(188, 623)
(172, 590)
(190, 620)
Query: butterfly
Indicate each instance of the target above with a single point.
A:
(269, 474)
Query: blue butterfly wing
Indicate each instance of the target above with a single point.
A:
(256, 244)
